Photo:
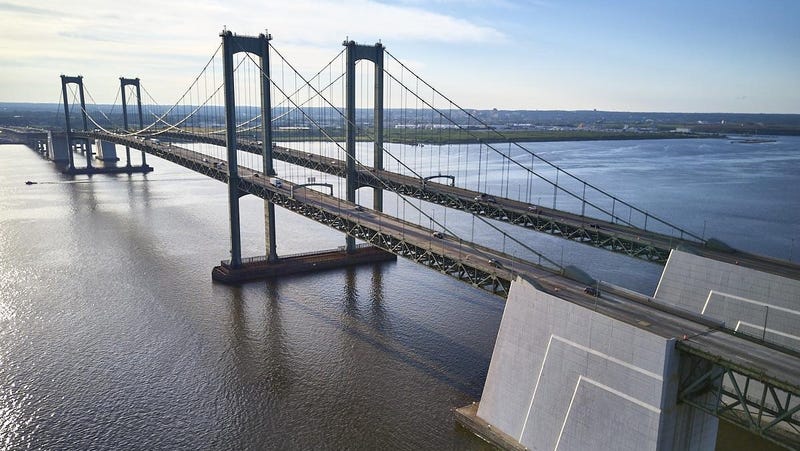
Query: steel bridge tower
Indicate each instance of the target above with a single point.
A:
(65, 80)
(123, 82)
(354, 53)
(258, 46)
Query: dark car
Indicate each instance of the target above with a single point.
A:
(592, 291)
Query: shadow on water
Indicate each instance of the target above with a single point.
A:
(134, 196)
(278, 373)
(431, 353)
(378, 319)
(350, 293)
(260, 355)
(80, 193)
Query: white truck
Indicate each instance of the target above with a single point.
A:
(276, 182)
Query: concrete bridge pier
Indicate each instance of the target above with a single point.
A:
(40, 145)
(565, 377)
(106, 152)
(57, 148)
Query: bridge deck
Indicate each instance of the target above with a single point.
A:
(721, 353)
(492, 270)
(621, 238)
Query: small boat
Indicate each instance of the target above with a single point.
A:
(753, 141)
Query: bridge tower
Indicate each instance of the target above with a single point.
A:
(131, 82)
(354, 53)
(258, 46)
(65, 80)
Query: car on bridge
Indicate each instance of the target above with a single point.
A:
(438, 234)
(495, 263)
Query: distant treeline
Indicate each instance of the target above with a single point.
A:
(426, 126)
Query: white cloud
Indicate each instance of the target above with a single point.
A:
(103, 40)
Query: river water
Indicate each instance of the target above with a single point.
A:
(113, 336)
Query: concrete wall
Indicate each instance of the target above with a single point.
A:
(754, 302)
(57, 148)
(106, 151)
(564, 377)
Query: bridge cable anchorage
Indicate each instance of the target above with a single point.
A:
(381, 180)
(504, 138)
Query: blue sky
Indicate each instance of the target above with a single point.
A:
(698, 56)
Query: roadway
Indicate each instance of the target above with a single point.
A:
(779, 367)
(645, 244)
(493, 271)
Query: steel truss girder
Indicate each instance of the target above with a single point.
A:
(771, 410)
(584, 233)
(495, 282)
(459, 269)
(710, 384)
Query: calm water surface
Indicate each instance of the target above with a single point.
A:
(113, 336)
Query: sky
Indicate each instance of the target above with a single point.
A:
(625, 55)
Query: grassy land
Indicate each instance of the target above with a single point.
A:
(437, 137)
(471, 136)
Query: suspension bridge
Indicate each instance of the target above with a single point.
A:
(311, 145)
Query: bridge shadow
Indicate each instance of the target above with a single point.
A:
(428, 352)
(133, 195)
(378, 318)
(262, 362)
(80, 193)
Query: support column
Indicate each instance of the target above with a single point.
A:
(88, 146)
(374, 53)
(350, 132)
(65, 80)
(377, 193)
(132, 82)
(266, 147)
(258, 46)
(230, 138)
(141, 118)
(124, 82)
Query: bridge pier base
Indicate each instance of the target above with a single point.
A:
(259, 268)
(107, 170)
(58, 148)
(564, 376)
(106, 152)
